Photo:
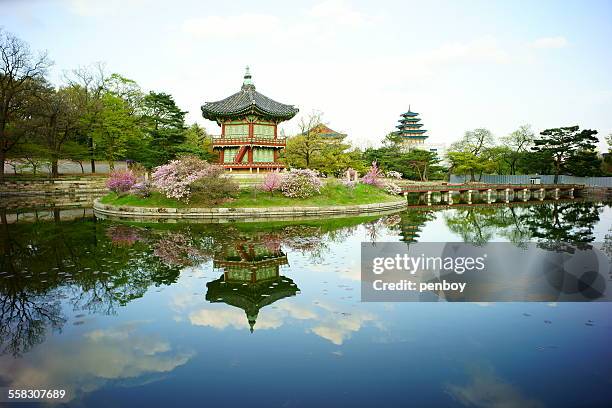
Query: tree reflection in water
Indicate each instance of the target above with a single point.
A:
(551, 225)
(98, 266)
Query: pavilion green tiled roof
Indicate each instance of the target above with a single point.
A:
(247, 102)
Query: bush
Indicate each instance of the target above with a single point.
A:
(373, 176)
(121, 181)
(181, 178)
(272, 182)
(142, 189)
(300, 183)
(394, 174)
(214, 187)
(393, 189)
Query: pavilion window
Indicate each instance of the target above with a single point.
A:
(263, 131)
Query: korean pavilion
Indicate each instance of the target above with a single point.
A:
(251, 278)
(410, 129)
(249, 139)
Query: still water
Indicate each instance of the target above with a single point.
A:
(270, 315)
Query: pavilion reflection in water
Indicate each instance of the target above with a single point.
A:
(251, 278)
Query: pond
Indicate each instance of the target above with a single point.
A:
(269, 314)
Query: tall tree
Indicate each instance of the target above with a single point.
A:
(561, 143)
(164, 128)
(474, 141)
(302, 147)
(584, 163)
(517, 142)
(114, 130)
(90, 84)
(19, 70)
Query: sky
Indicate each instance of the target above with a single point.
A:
(460, 64)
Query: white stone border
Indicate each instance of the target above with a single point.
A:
(152, 213)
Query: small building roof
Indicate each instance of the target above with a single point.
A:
(325, 131)
(247, 102)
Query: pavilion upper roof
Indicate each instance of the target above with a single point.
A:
(248, 102)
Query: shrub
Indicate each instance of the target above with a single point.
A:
(394, 174)
(300, 183)
(372, 177)
(121, 181)
(142, 189)
(189, 174)
(215, 187)
(393, 189)
(272, 182)
(350, 184)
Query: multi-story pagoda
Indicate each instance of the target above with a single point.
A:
(410, 130)
(249, 139)
(251, 278)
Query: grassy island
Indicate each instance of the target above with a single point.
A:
(332, 194)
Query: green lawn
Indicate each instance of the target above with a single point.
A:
(331, 194)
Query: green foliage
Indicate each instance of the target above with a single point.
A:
(163, 125)
(584, 163)
(562, 143)
(415, 164)
(115, 129)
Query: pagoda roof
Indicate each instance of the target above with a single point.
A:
(410, 114)
(418, 131)
(247, 101)
(405, 126)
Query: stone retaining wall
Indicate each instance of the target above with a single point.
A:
(147, 214)
(62, 185)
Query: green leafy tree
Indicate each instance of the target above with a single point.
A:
(517, 143)
(115, 129)
(164, 130)
(199, 143)
(584, 163)
(561, 143)
(302, 148)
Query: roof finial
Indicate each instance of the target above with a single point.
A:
(408, 104)
(247, 78)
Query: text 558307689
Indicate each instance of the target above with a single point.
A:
(35, 394)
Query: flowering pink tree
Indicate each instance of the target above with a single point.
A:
(272, 182)
(121, 181)
(301, 183)
(373, 176)
(177, 178)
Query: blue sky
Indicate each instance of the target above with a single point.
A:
(461, 64)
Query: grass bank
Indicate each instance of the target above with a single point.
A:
(331, 194)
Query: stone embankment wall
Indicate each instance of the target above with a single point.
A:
(243, 214)
(12, 186)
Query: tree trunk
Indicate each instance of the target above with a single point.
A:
(111, 166)
(2, 161)
(93, 161)
(557, 171)
(54, 168)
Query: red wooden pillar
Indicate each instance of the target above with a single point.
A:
(251, 155)
(275, 155)
(222, 155)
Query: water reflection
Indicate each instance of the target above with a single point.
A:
(251, 278)
(91, 304)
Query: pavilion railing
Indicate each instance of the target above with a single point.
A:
(245, 140)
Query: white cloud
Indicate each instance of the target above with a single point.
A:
(88, 362)
(487, 390)
(481, 49)
(238, 26)
(338, 12)
(549, 42)
(89, 8)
